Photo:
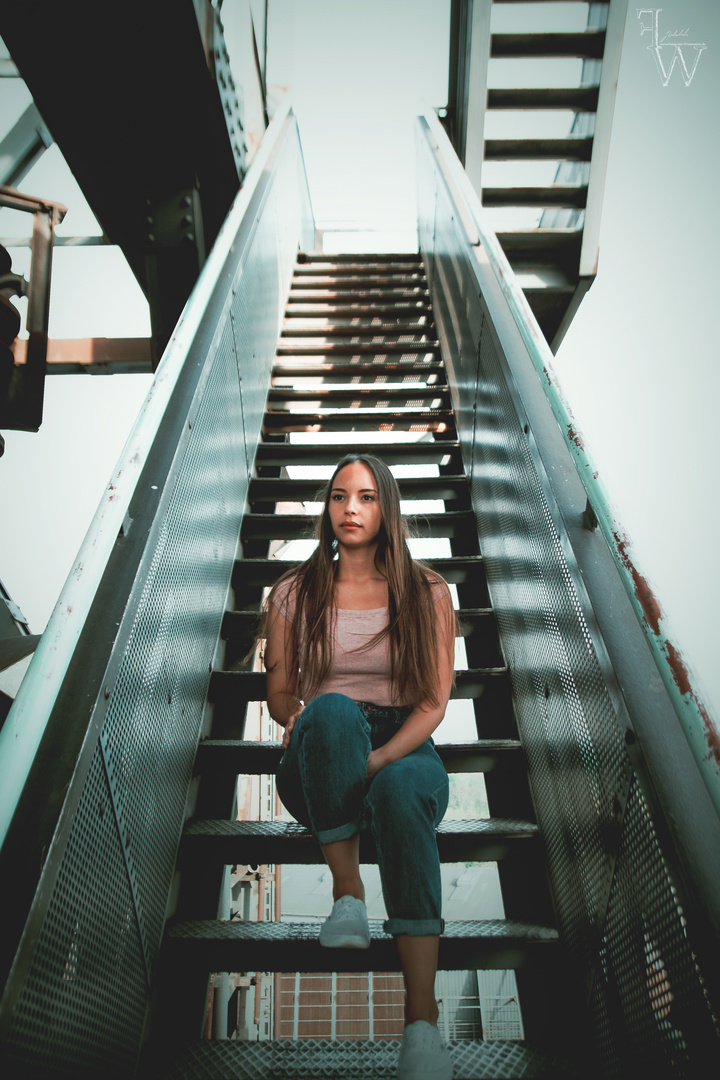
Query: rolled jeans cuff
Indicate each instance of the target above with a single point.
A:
(414, 927)
(342, 832)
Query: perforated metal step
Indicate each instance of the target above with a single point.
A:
(240, 627)
(241, 686)
(314, 1059)
(283, 489)
(234, 756)
(445, 453)
(468, 569)
(290, 526)
(587, 45)
(251, 843)
(489, 944)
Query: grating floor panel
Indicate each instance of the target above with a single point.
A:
(314, 1059)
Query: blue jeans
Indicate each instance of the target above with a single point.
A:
(321, 780)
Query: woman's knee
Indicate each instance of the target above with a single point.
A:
(335, 713)
(404, 793)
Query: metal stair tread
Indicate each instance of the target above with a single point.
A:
(212, 945)
(267, 931)
(241, 757)
(347, 330)
(582, 44)
(329, 265)
(571, 148)
(358, 349)
(207, 841)
(575, 98)
(251, 685)
(553, 195)
(287, 489)
(265, 572)
(334, 397)
(412, 372)
(362, 296)
(358, 283)
(349, 1059)
(448, 523)
(280, 421)
(344, 257)
(220, 827)
(298, 310)
(437, 452)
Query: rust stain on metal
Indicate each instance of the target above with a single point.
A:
(679, 670)
(576, 437)
(646, 597)
(681, 676)
(653, 614)
(712, 735)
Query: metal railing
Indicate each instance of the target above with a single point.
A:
(702, 735)
(628, 880)
(97, 751)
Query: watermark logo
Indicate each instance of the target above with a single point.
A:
(670, 48)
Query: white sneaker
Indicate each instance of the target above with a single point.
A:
(423, 1054)
(347, 925)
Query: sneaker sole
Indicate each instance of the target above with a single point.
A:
(414, 1075)
(345, 941)
(444, 1073)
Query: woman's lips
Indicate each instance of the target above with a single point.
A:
(350, 525)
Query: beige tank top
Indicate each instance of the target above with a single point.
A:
(363, 674)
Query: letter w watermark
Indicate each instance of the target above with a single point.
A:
(671, 52)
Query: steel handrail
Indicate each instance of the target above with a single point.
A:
(28, 717)
(697, 726)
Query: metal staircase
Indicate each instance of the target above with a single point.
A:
(121, 751)
(358, 352)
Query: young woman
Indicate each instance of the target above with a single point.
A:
(359, 658)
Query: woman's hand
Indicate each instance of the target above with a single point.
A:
(289, 727)
(375, 764)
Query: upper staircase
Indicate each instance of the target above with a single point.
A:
(545, 119)
(358, 353)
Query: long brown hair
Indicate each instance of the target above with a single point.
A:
(412, 618)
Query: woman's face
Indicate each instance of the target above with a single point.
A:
(354, 506)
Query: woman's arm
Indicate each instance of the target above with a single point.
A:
(424, 719)
(282, 673)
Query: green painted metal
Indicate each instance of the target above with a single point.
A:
(702, 734)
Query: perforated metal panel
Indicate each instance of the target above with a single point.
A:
(616, 901)
(82, 1006)
(78, 978)
(312, 1059)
